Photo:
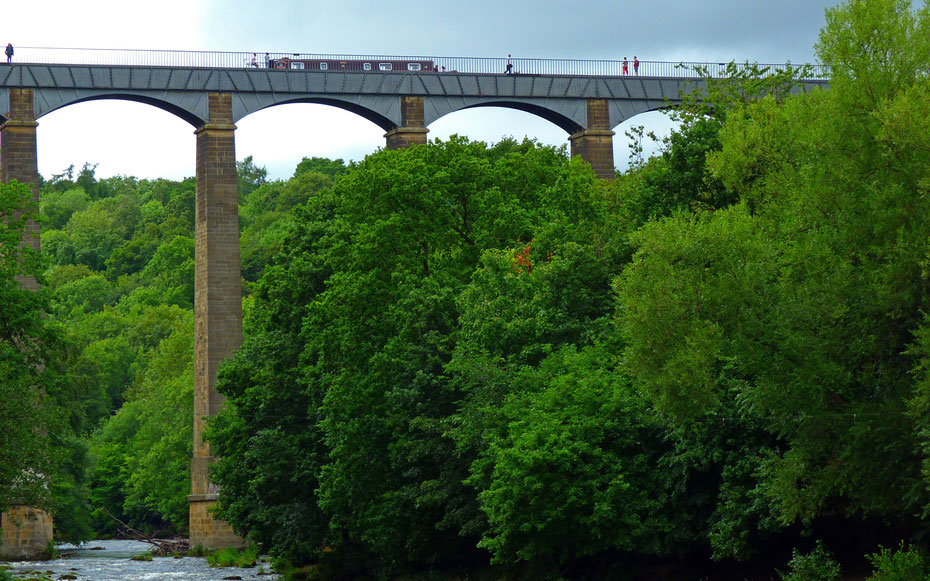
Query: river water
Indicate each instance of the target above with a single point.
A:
(112, 563)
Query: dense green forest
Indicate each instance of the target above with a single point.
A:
(480, 360)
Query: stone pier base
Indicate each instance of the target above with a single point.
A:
(26, 533)
(412, 129)
(207, 531)
(404, 137)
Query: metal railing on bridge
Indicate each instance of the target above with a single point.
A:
(471, 65)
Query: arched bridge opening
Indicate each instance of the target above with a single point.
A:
(154, 133)
(359, 109)
(165, 105)
(282, 134)
(565, 123)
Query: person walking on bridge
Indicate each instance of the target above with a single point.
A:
(508, 70)
(9, 52)
(626, 66)
(635, 65)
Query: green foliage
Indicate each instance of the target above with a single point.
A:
(94, 234)
(170, 273)
(133, 255)
(680, 179)
(325, 166)
(87, 295)
(567, 472)
(71, 492)
(818, 565)
(800, 302)
(143, 451)
(121, 283)
(120, 260)
(266, 215)
(122, 251)
(250, 176)
(415, 223)
(60, 275)
(230, 557)
(538, 416)
(360, 360)
(27, 342)
(882, 44)
(179, 200)
(898, 565)
(674, 340)
(57, 207)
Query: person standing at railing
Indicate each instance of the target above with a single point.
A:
(635, 65)
(9, 52)
(626, 66)
(508, 70)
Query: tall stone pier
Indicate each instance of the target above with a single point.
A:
(18, 157)
(26, 530)
(217, 304)
(595, 144)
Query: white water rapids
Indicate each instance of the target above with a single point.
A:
(112, 563)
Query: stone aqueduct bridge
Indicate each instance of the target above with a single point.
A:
(212, 91)
(403, 103)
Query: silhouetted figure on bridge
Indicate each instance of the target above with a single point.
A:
(9, 52)
(508, 70)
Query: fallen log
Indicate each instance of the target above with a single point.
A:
(176, 545)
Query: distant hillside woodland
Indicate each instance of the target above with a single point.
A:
(481, 362)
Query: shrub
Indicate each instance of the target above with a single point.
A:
(818, 565)
(898, 565)
(230, 557)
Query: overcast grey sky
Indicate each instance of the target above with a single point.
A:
(107, 132)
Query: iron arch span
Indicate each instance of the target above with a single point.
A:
(167, 106)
